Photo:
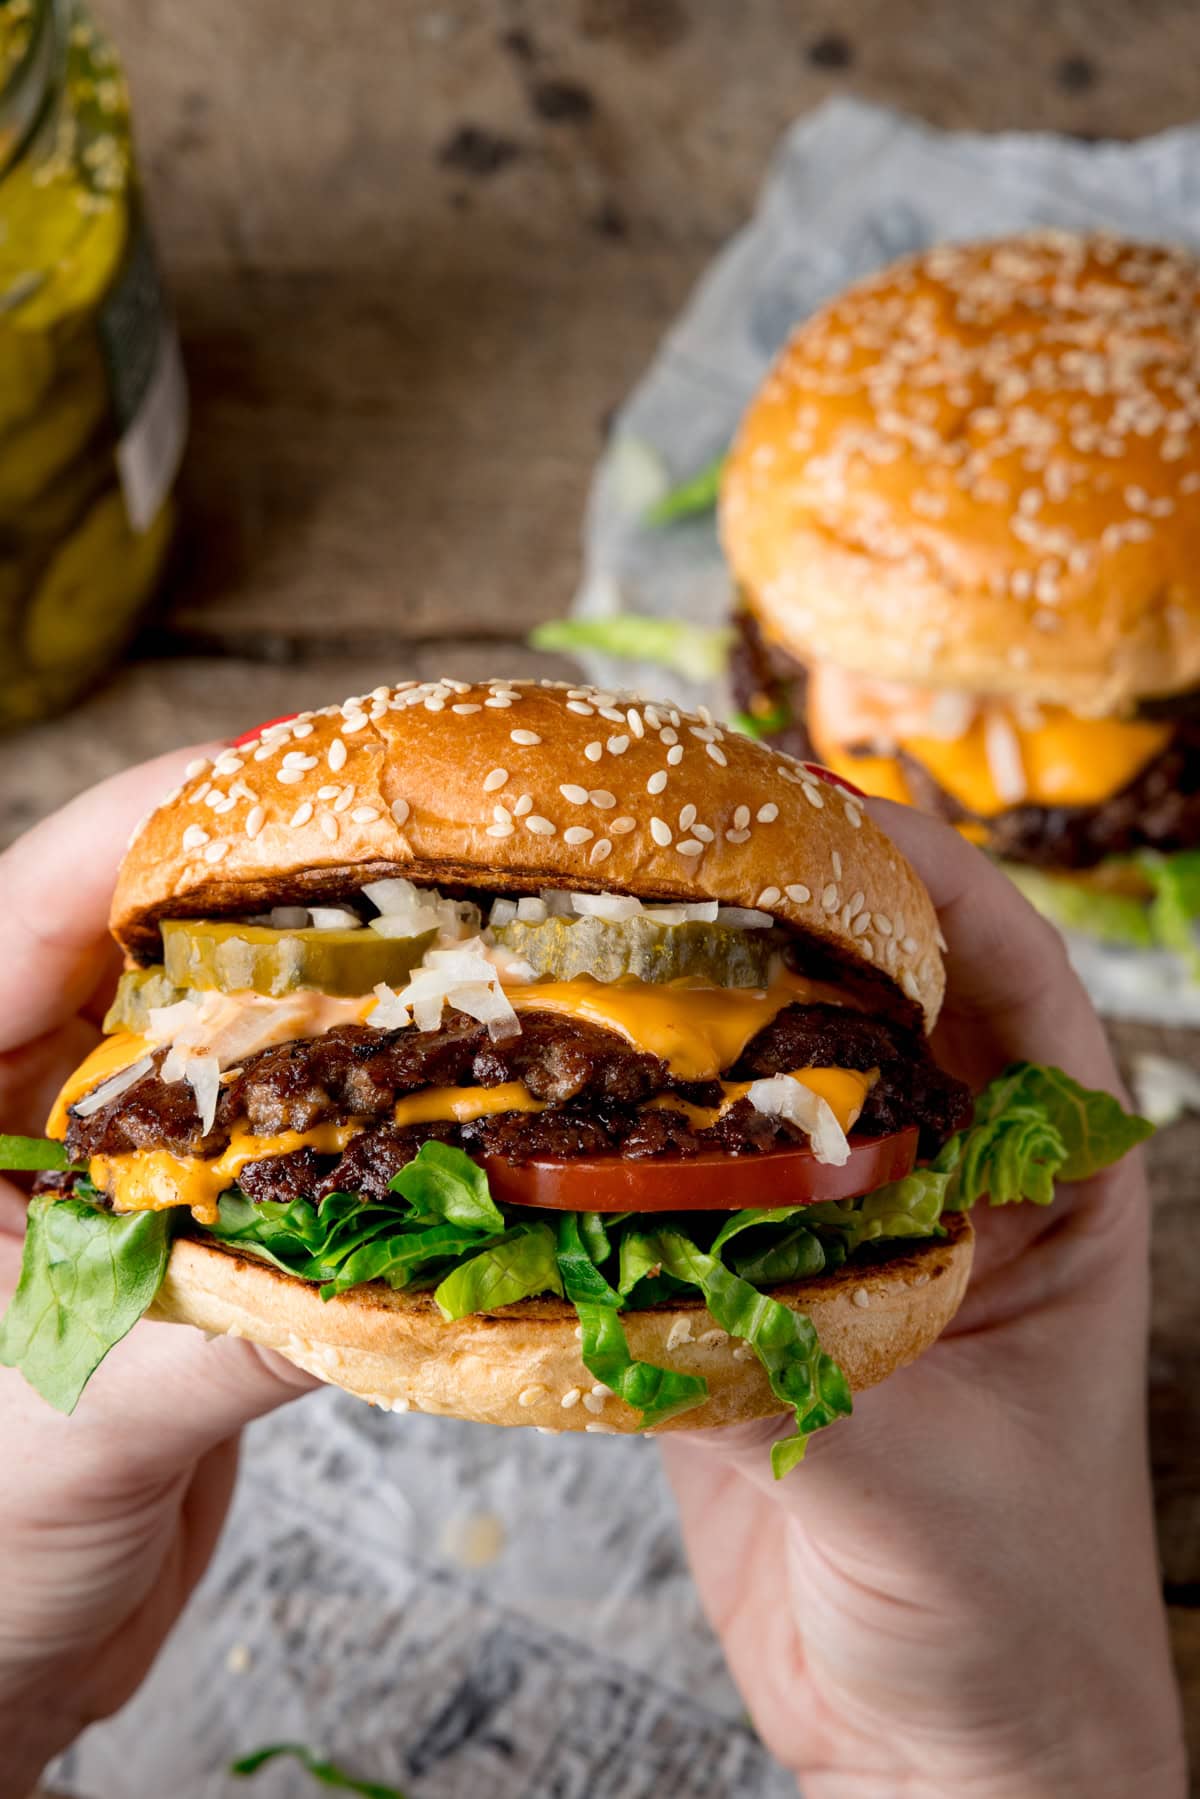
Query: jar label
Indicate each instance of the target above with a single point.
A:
(145, 379)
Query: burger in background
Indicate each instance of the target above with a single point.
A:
(963, 515)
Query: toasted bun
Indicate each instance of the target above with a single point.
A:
(980, 469)
(522, 1365)
(518, 786)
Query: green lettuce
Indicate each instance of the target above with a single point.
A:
(699, 493)
(1175, 906)
(518, 1265)
(763, 724)
(87, 1276)
(697, 652)
(327, 1773)
(28, 1155)
(1073, 906)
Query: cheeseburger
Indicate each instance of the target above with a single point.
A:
(528, 1053)
(963, 513)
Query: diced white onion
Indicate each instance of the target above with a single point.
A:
(203, 1076)
(113, 1087)
(532, 911)
(391, 924)
(699, 912)
(615, 907)
(390, 1014)
(744, 918)
(289, 918)
(503, 912)
(334, 918)
(413, 910)
(782, 1097)
(462, 977)
(1005, 761)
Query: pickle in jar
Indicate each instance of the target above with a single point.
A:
(237, 958)
(88, 599)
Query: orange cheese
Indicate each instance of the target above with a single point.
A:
(843, 1089)
(697, 1031)
(1067, 761)
(464, 1103)
(108, 1058)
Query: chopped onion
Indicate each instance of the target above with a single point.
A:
(615, 907)
(203, 1076)
(113, 1088)
(1005, 763)
(415, 910)
(503, 912)
(391, 1014)
(334, 918)
(532, 911)
(462, 977)
(744, 918)
(782, 1097)
(289, 918)
(392, 924)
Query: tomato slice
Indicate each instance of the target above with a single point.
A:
(714, 1182)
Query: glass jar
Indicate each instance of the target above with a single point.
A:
(92, 398)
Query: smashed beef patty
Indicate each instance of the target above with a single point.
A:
(593, 1083)
(1159, 809)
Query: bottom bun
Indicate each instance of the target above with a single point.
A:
(522, 1365)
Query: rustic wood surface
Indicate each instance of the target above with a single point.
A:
(419, 253)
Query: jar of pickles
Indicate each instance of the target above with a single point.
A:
(92, 398)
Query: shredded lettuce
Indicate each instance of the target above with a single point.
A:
(88, 1274)
(699, 493)
(327, 1773)
(1175, 907)
(696, 652)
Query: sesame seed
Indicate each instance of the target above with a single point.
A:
(579, 707)
(660, 830)
(593, 751)
(675, 755)
(861, 1297)
(602, 1430)
(600, 850)
(836, 860)
(195, 798)
(263, 751)
(577, 796)
(704, 832)
(770, 896)
(541, 827)
(213, 797)
(495, 779)
(593, 1402)
(577, 834)
(343, 799)
(466, 706)
(687, 818)
(290, 776)
(527, 739)
(855, 903)
(523, 805)
(766, 815)
(335, 755)
(228, 765)
(861, 923)
(690, 847)
(297, 759)
(883, 924)
(195, 767)
(329, 825)
(718, 755)
(737, 836)
(657, 781)
(365, 815)
(501, 830)
(909, 983)
(909, 946)
(741, 817)
(530, 1395)
(611, 714)
(224, 803)
(500, 701)
(617, 746)
(214, 851)
(668, 736)
(242, 792)
(195, 837)
(799, 894)
(301, 815)
(570, 1398)
(601, 797)
(255, 820)
(636, 725)
(620, 826)
(829, 899)
(502, 815)
(812, 796)
(853, 815)
(399, 810)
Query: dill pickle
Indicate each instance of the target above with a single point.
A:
(139, 991)
(608, 949)
(244, 957)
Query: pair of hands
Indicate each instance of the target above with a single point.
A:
(956, 1594)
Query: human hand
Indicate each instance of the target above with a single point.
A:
(957, 1592)
(107, 1518)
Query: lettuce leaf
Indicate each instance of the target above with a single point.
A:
(658, 1393)
(86, 1278)
(26, 1155)
(1176, 903)
(697, 652)
(519, 1265)
(327, 1773)
(442, 1182)
(1073, 906)
(699, 493)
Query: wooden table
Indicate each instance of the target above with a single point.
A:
(419, 253)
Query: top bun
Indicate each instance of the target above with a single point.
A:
(515, 786)
(980, 469)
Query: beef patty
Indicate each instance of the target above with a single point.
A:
(593, 1083)
(1159, 809)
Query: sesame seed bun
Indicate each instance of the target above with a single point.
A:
(522, 1366)
(516, 786)
(980, 469)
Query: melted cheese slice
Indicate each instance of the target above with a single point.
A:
(153, 1180)
(697, 1031)
(1067, 761)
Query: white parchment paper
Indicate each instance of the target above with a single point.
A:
(851, 188)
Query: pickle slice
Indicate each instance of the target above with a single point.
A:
(240, 957)
(95, 587)
(608, 949)
(139, 990)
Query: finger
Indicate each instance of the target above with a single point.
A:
(56, 884)
(1011, 992)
